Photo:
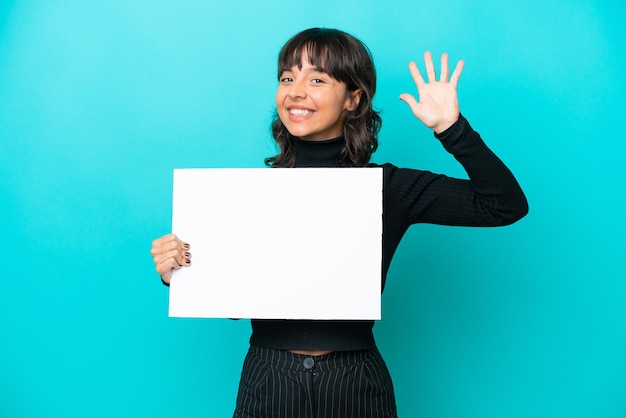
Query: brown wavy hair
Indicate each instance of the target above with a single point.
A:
(346, 59)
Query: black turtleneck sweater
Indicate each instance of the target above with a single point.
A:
(492, 197)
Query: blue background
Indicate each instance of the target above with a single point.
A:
(99, 101)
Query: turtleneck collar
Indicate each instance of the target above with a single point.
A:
(318, 153)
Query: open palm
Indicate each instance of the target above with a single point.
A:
(438, 105)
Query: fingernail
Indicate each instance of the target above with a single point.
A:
(187, 254)
(186, 245)
(187, 261)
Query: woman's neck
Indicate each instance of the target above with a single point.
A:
(325, 153)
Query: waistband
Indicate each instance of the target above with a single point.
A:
(302, 362)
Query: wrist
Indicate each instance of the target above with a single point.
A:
(444, 126)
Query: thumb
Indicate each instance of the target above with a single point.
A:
(411, 101)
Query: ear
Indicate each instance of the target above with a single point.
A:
(354, 98)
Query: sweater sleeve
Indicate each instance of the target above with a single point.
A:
(491, 196)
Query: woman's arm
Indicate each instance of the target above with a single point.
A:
(491, 196)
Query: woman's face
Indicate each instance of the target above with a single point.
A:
(311, 104)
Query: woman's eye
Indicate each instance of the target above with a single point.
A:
(286, 79)
(317, 81)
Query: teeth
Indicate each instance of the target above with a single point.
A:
(300, 112)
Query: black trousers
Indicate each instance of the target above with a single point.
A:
(342, 384)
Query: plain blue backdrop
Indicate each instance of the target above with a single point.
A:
(99, 101)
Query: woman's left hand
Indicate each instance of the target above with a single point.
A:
(438, 106)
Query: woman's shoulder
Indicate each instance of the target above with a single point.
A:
(400, 177)
(384, 166)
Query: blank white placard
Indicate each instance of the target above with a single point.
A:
(297, 243)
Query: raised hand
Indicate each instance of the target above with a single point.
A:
(438, 105)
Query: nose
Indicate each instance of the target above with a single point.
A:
(297, 90)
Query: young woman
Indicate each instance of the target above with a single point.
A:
(325, 118)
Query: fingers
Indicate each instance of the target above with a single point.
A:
(169, 253)
(430, 67)
(436, 102)
(431, 75)
(415, 73)
(445, 72)
(454, 80)
(166, 243)
(176, 258)
(165, 239)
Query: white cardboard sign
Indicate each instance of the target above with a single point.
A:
(297, 243)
